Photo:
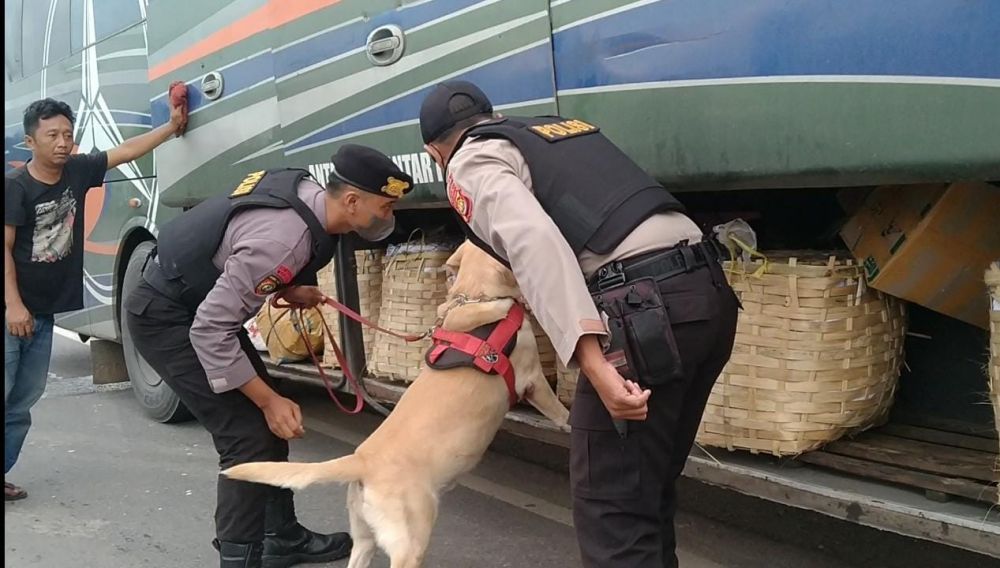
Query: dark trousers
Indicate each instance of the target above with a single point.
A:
(624, 491)
(160, 327)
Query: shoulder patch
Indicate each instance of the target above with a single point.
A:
(248, 183)
(459, 199)
(556, 131)
(267, 285)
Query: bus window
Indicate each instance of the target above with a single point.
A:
(34, 21)
(110, 17)
(44, 34)
(76, 26)
(12, 39)
(59, 34)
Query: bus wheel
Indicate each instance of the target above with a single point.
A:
(158, 400)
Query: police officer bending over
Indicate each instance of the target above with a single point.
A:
(591, 239)
(213, 268)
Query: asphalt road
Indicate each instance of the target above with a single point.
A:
(111, 489)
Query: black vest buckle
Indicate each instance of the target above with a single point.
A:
(610, 276)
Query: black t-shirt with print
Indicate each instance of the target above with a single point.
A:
(48, 247)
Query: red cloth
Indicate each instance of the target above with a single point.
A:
(178, 93)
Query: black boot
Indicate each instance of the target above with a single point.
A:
(287, 543)
(235, 555)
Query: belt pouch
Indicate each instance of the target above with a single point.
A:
(639, 326)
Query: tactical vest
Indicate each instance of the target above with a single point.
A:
(187, 243)
(595, 194)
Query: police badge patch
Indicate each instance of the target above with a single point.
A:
(269, 284)
(459, 200)
(395, 187)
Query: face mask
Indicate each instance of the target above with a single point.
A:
(376, 228)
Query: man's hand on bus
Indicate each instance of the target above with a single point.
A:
(20, 322)
(138, 146)
(178, 119)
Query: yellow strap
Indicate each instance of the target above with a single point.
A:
(748, 249)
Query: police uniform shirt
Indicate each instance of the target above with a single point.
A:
(489, 185)
(261, 249)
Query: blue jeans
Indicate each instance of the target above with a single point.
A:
(25, 371)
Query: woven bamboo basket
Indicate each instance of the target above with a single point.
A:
(817, 355)
(566, 384)
(993, 283)
(326, 279)
(369, 272)
(414, 283)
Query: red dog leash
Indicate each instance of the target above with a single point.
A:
(364, 321)
(353, 381)
(487, 355)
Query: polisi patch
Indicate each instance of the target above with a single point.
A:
(459, 200)
(248, 183)
(555, 131)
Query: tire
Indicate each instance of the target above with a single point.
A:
(157, 399)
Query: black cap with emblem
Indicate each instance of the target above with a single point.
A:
(370, 170)
(448, 104)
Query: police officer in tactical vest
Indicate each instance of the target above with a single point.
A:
(213, 268)
(621, 281)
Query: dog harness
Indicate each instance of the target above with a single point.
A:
(486, 348)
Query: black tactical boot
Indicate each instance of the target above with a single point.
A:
(287, 543)
(235, 555)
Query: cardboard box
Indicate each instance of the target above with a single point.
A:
(930, 244)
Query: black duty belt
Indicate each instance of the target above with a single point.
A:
(660, 265)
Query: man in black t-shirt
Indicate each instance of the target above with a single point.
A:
(43, 251)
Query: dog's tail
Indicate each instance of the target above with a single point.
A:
(298, 475)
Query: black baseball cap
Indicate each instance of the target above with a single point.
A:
(441, 110)
(370, 170)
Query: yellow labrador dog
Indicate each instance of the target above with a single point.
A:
(440, 429)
